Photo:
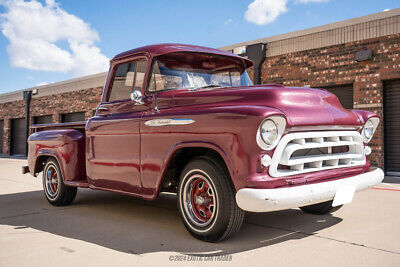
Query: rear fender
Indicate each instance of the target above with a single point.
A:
(67, 146)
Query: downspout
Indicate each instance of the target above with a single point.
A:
(257, 53)
(27, 98)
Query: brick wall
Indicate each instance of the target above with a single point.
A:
(335, 65)
(85, 100)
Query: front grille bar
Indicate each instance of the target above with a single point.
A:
(289, 157)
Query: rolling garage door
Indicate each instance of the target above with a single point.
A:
(392, 127)
(18, 136)
(1, 136)
(344, 93)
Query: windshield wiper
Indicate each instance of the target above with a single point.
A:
(203, 87)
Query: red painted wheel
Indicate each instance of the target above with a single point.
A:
(56, 192)
(51, 176)
(206, 200)
(199, 200)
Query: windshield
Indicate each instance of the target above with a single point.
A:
(195, 71)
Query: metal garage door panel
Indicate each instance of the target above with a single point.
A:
(47, 119)
(73, 117)
(392, 126)
(18, 136)
(344, 93)
(1, 136)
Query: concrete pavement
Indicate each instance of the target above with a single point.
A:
(102, 228)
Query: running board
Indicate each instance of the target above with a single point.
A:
(77, 183)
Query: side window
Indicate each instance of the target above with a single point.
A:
(123, 82)
(141, 67)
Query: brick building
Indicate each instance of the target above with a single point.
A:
(357, 59)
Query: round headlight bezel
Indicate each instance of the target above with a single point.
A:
(269, 123)
(369, 129)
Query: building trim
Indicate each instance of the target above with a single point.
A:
(390, 14)
(86, 82)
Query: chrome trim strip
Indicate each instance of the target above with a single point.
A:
(168, 122)
(323, 128)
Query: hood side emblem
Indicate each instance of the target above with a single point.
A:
(168, 122)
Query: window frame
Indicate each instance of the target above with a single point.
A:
(113, 70)
(150, 71)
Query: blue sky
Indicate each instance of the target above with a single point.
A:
(54, 41)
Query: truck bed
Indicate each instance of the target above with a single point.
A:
(58, 126)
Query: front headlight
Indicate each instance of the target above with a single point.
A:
(270, 131)
(369, 129)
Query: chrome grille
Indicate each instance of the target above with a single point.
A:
(305, 152)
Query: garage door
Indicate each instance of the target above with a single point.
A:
(1, 136)
(73, 117)
(344, 93)
(392, 127)
(47, 119)
(18, 136)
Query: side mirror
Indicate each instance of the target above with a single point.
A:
(136, 96)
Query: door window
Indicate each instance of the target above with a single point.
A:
(128, 76)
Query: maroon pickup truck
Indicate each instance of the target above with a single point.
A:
(187, 120)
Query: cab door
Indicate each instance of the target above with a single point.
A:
(113, 134)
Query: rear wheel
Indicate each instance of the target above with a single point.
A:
(321, 208)
(56, 192)
(206, 201)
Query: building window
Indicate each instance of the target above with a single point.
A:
(343, 92)
(72, 117)
(47, 119)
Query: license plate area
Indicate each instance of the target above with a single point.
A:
(344, 195)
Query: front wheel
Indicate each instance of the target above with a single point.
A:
(206, 201)
(56, 192)
(321, 208)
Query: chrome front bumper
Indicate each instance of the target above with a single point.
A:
(263, 200)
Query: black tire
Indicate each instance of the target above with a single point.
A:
(321, 208)
(217, 199)
(55, 191)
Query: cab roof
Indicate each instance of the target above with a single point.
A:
(162, 49)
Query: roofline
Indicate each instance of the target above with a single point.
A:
(91, 81)
(326, 27)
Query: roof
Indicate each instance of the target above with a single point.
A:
(331, 27)
(162, 49)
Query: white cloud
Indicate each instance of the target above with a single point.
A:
(262, 12)
(229, 21)
(36, 31)
(312, 1)
(42, 83)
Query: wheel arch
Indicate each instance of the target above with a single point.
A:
(41, 159)
(181, 154)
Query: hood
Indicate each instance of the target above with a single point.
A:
(302, 106)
